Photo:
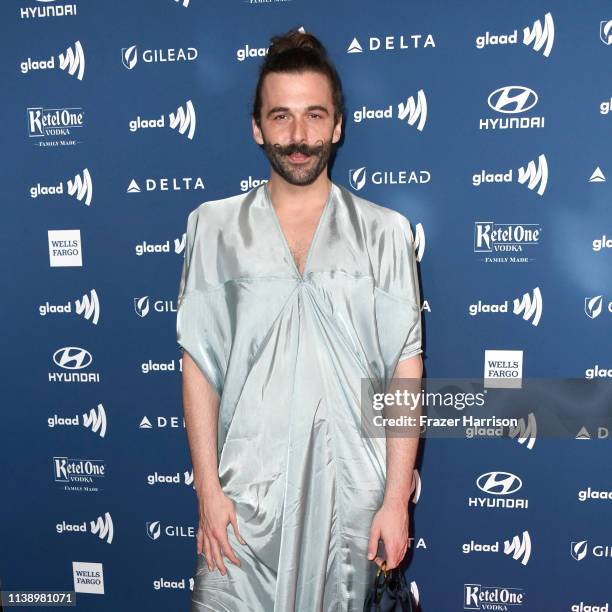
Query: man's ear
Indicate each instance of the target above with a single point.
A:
(257, 135)
(337, 130)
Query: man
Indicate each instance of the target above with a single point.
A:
(290, 295)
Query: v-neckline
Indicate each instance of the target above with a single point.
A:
(283, 238)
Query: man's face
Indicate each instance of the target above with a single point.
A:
(297, 125)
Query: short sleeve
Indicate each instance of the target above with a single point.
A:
(409, 284)
(197, 326)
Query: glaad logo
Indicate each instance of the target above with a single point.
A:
(530, 308)
(48, 10)
(591, 494)
(358, 177)
(536, 176)
(512, 100)
(142, 306)
(186, 478)
(102, 527)
(419, 241)
(498, 484)
(526, 432)
(145, 248)
(184, 120)
(72, 61)
(247, 52)
(129, 55)
(156, 367)
(88, 306)
(81, 187)
(593, 306)
(605, 31)
(154, 530)
(540, 37)
(602, 243)
(415, 490)
(250, 183)
(73, 358)
(598, 372)
(184, 183)
(519, 548)
(584, 607)
(163, 583)
(94, 420)
(413, 111)
(184, 3)
(478, 597)
(392, 43)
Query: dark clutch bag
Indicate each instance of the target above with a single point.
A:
(389, 593)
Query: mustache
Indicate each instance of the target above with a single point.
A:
(302, 148)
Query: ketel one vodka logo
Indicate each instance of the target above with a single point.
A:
(510, 101)
(78, 474)
(72, 61)
(52, 125)
(72, 360)
(88, 307)
(80, 187)
(102, 527)
(413, 111)
(539, 37)
(142, 306)
(534, 176)
(183, 120)
(505, 242)
(499, 488)
(519, 548)
(529, 307)
(479, 597)
(130, 55)
(155, 530)
(95, 420)
(149, 248)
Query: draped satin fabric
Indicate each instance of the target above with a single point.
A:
(286, 353)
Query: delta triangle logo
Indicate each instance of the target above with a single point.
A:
(354, 47)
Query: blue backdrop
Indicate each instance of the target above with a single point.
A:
(486, 123)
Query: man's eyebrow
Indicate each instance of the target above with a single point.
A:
(285, 109)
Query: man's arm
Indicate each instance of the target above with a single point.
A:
(391, 522)
(402, 450)
(216, 510)
(201, 409)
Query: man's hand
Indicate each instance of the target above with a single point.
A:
(391, 525)
(216, 511)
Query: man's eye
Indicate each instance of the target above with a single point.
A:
(315, 115)
(279, 116)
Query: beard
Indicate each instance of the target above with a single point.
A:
(298, 174)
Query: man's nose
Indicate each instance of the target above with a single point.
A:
(298, 132)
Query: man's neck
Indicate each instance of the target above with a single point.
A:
(284, 195)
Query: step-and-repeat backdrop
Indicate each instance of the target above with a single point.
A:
(486, 123)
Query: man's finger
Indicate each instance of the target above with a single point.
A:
(234, 522)
(207, 554)
(217, 556)
(199, 540)
(373, 541)
(228, 551)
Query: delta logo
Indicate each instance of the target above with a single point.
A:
(391, 42)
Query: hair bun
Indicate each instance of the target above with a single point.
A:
(295, 39)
